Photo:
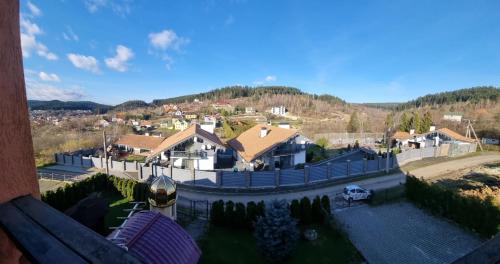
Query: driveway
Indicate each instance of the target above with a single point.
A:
(402, 233)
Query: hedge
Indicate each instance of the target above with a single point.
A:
(480, 216)
(65, 197)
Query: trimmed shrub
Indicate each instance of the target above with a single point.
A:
(217, 213)
(251, 214)
(305, 211)
(276, 233)
(481, 216)
(317, 211)
(295, 209)
(240, 215)
(261, 208)
(229, 214)
(325, 204)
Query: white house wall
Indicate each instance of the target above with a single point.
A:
(299, 157)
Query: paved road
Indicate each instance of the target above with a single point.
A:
(377, 183)
(402, 233)
(436, 170)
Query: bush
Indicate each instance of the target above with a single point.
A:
(251, 214)
(217, 213)
(240, 215)
(295, 209)
(325, 204)
(277, 233)
(229, 214)
(317, 211)
(473, 213)
(63, 198)
(305, 211)
(261, 208)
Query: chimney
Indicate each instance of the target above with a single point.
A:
(263, 132)
(412, 131)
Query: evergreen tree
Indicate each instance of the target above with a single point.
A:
(353, 125)
(426, 122)
(405, 122)
(416, 122)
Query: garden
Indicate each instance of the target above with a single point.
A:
(297, 232)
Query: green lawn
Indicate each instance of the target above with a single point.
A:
(116, 205)
(227, 245)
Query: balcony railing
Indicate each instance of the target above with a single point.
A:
(189, 154)
(287, 150)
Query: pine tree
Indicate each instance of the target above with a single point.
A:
(417, 122)
(405, 123)
(353, 125)
(426, 122)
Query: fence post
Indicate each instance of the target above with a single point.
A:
(72, 160)
(277, 174)
(124, 165)
(248, 179)
(110, 162)
(55, 157)
(218, 178)
(140, 172)
(365, 165)
(348, 167)
(306, 174)
(136, 165)
(329, 171)
(193, 175)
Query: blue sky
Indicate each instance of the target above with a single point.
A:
(111, 51)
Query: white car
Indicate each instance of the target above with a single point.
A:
(354, 193)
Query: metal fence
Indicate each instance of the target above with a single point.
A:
(272, 179)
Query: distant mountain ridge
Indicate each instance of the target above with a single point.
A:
(68, 105)
(232, 92)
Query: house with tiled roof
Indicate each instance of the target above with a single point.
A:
(431, 138)
(138, 144)
(192, 148)
(266, 146)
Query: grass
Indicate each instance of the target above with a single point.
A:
(227, 245)
(46, 184)
(116, 205)
(431, 161)
(133, 157)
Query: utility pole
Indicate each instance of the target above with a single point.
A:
(105, 150)
(387, 142)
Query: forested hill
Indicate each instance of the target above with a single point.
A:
(132, 104)
(473, 95)
(232, 92)
(69, 105)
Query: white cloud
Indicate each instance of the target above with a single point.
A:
(49, 77)
(167, 39)
(119, 61)
(29, 42)
(41, 91)
(94, 5)
(267, 79)
(35, 11)
(70, 34)
(119, 7)
(270, 78)
(88, 63)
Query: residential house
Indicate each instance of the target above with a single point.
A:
(455, 117)
(138, 144)
(190, 116)
(193, 148)
(249, 110)
(167, 123)
(208, 126)
(268, 147)
(431, 138)
(103, 123)
(278, 110)
(168, 108)
(180, 124)
(146, 124)
(223, 105)
(490, 141)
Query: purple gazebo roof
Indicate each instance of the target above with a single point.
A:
(156, 239)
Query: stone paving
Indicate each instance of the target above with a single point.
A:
(402, 233)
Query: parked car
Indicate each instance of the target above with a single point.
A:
(355, 193)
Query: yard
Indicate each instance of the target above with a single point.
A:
(230, 245)
(117, 203)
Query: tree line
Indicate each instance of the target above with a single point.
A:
(231, 92)
(413, 120)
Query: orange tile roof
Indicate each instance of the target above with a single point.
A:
(250, 145)
(454, 135)
(139, 141)
(181, 136)
(402, 135)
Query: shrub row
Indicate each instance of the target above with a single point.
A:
(307, 213)
(481, 216)
(236, 215)
(67, 196)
